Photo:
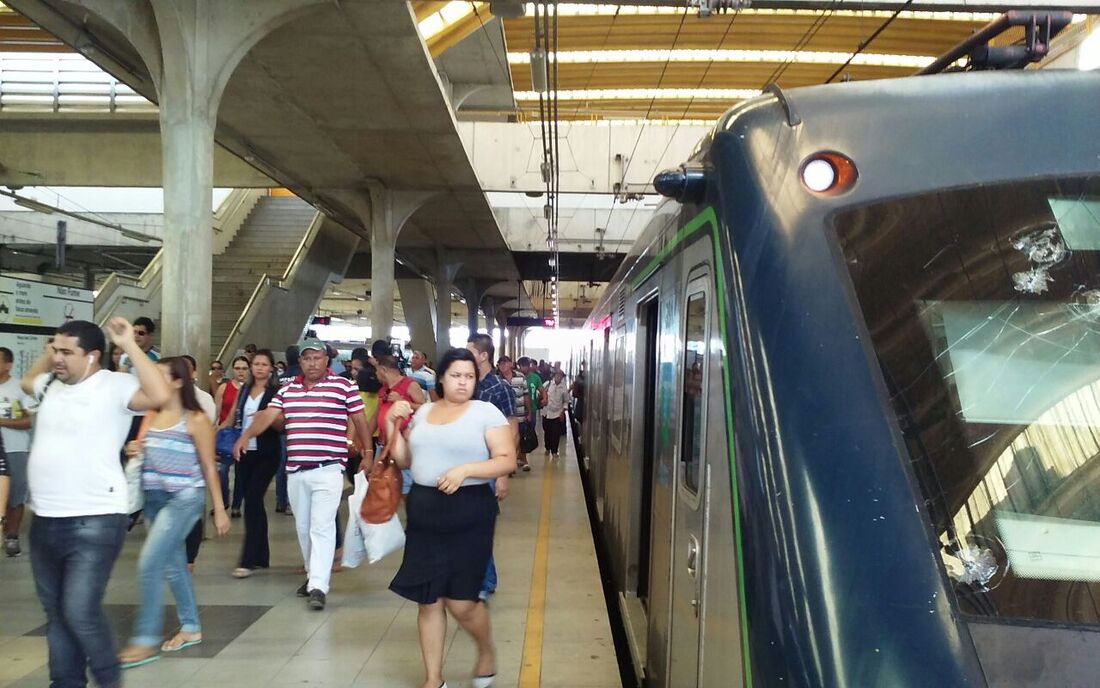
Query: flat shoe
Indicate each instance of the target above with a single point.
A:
(184, 643)
(136, 661)
(241, 572)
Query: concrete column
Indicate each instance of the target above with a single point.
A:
(383, 212)
(416, 301)
(192, 48)
(187, 137)
(382, 246)
(444, 283)
(474, 291)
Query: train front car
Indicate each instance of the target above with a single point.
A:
(914, 327)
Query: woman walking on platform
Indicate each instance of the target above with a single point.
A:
(455, 446)
(225, 400)
(178, 464)
(258, 465)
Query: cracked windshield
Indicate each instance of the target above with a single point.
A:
(983, 307)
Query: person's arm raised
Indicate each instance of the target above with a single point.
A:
(154, 391)
(42, 365)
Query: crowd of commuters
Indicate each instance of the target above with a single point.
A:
(459, 433)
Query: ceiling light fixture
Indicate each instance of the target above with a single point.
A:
(647, 94)
(708, 56)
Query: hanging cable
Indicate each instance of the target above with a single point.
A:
(863, 44)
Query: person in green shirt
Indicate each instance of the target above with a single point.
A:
(534, 386)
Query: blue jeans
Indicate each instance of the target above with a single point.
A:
(282, 499)
(71, 559)
(489, 583)
(169, 517)
(223, 464)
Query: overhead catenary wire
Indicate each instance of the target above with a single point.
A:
(808, 35)
(867, 41)
(645, 122)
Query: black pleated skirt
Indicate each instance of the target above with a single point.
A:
(448, 543)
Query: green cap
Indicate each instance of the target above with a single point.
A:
(311, 343)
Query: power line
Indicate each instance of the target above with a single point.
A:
(645, 122)
(863, 44)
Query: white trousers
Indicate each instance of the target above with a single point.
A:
(315, 496)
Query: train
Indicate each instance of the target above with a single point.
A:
(843, 394)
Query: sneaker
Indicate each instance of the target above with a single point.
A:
(303, 590)
(526, 468)
(11, 547)
(316, 600)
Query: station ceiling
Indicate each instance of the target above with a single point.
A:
(667, 63)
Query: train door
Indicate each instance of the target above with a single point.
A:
(647, 325)
(691, 504)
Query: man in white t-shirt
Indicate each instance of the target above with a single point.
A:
(424, 376)
(15, 431)
(78, 491)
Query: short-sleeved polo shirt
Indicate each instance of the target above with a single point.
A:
(317, 421)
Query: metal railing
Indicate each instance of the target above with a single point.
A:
(268, 283)
(228, 219)
(63, 83)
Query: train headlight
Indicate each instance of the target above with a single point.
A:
(828, 174)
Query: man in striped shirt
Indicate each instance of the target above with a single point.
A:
(315, 410)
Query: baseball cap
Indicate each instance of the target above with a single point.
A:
(311, 343)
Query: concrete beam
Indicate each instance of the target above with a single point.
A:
(55, 150)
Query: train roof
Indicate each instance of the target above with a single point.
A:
(906, 136)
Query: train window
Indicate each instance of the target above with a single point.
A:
(983, 307)
(695, 366)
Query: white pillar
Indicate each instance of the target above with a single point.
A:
(187, 139)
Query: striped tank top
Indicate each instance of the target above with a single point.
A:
(171, 461)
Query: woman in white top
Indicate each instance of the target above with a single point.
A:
(454, 447)
(258, 465)
(556, 397)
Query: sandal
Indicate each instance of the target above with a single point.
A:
(137, 655)
(180, 641)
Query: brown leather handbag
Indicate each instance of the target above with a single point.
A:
(383, 490)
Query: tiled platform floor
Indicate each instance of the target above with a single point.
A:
(259, 634)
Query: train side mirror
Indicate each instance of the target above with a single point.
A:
(688, 184)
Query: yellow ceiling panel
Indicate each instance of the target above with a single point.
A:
(698, 75)
(766, 31)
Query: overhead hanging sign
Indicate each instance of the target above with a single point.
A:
(30, 312)
(38, 304)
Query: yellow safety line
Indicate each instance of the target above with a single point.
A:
(530, 674)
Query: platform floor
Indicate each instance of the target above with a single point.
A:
(549, 617)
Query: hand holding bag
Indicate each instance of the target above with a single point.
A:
(355, 550)
(383, 490)
(224, 441)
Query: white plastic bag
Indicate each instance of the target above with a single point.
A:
(383, 538)
(135, 498)
(355, 549)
